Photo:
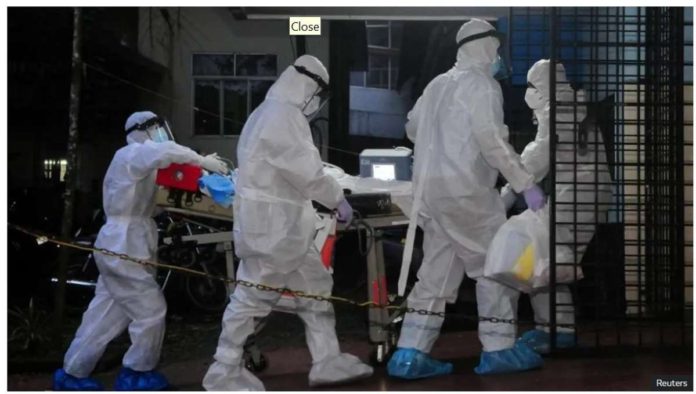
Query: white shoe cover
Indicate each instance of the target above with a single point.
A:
(339, 369)
(223, 377)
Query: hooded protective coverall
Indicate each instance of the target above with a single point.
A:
(461, 143)
(280, 173)
(127, 295)
(583, 183)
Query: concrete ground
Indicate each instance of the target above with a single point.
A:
(191, 339)
(583, 369)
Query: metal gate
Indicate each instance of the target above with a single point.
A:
(621, 169)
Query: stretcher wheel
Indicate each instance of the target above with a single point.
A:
(393, 339)
(380, 354)
(255, 362)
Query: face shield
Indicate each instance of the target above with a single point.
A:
(318, 100)
(157, 129)
(500, 70)
(320, 96)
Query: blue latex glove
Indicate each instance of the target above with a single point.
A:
(540, 341)
(63, 381)
(130, 380)
(345, 212)
(414, 364)
(534, 197)
(519, 358)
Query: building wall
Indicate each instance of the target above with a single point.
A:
(211, 30)
(378, 112)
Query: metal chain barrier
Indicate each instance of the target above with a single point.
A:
(44, 238)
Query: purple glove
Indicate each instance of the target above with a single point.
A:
(534, 197)
(345, 212)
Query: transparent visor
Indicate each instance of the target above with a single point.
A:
(160, 132)
(499, 69)
(157, 129)
(319, 99)
(321, 94)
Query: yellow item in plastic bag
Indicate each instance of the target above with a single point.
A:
(524, 266)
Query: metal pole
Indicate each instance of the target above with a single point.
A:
(677, 146)
(552, 175)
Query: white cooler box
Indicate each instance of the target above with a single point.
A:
(387, 164)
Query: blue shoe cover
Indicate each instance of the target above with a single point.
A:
(414, 364)
(540, 341)
(519, 358)
(63, 381)
(130, 380)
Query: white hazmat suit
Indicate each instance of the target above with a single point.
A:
(461, 144)
(280, 173)
(583, 181)
(127, 295)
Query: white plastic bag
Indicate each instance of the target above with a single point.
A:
(519, 253)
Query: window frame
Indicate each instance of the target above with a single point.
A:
(48, 166)
(221, 79)
(389, 51)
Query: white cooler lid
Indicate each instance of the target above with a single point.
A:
(386, 153)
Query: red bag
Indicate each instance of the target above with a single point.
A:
(180, 176)
(328, 249)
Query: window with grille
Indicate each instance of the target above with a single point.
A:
(383, 48)
(227, 88)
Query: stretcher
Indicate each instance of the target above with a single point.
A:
(380, 334)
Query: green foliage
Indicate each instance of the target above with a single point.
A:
(29, 327)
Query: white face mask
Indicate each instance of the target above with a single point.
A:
(534, 99)
(312, 106)
(137, 136)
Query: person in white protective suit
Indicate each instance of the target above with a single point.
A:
(461, 144)
(280, 174)
(583, 191)
(127, 295)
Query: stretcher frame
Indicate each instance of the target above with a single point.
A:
(380, 332)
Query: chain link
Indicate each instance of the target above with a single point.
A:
(43, 238)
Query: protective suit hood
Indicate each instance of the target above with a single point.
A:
(139, 117)
(479, 53)
(538, 76)
(295, 88)
(146, 125)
